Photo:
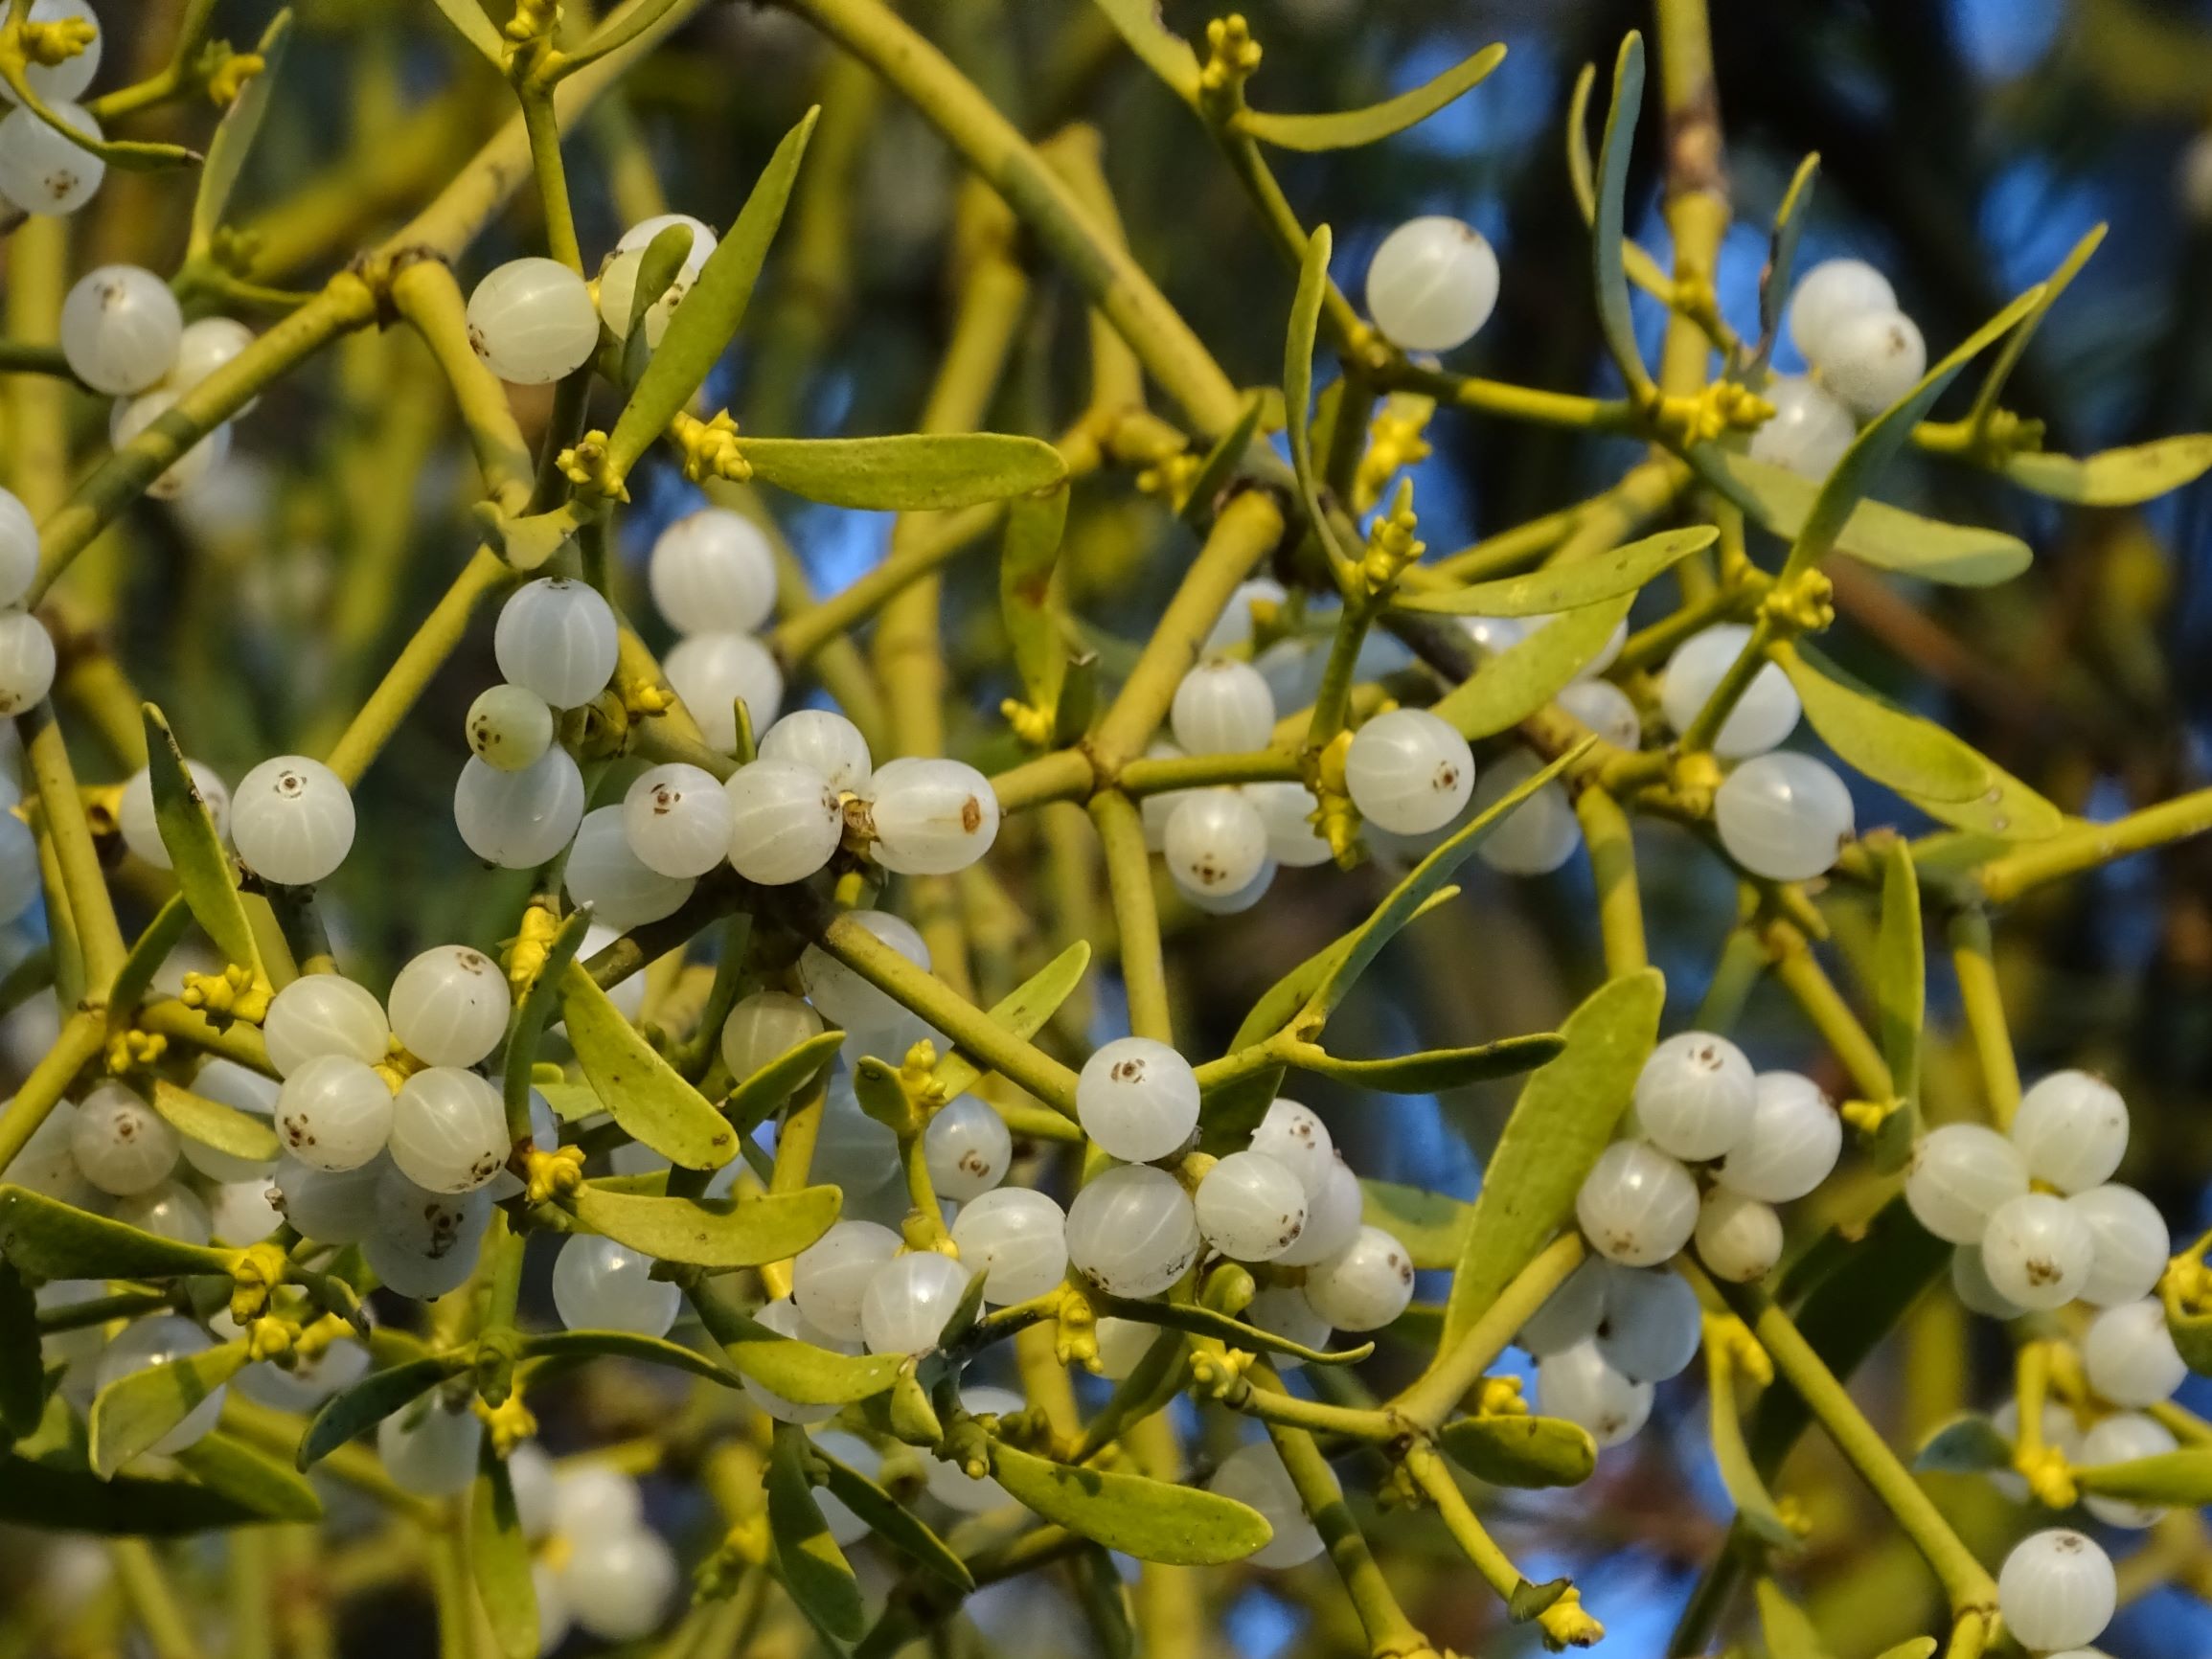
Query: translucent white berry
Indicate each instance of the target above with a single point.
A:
(18, 548)
(1282, 1310)
(1222, 707)
(827, 744)
(1808, 430)
(242, 1213)
(1871, 360)
(2059, 1432)
(604, 872)
(1739, 1238)
(1577, 1383)
(533, 322)
(1695, 1095)
(968, 1148)
(324, 1013)
(1536, 836)
(1287, 809)
(1331, 1215)
(856, 1454)
(1250, 1207)
(2057, 1589)
(618, 1584)
(1765, 713)
(1232, 903)
(953, 1486)
(783, 1317)
(1123, 1344)
(122, 1146)
(57, 82)
(1016, 1238)
(449, 1130)
(766, 1026)
(712, 572)
(292, 820)
(424, 1275)
(1605, 709)
(1365, 1285)
(1131, 1231)
(711, 673)
(1570, 1314)
(784, 822)
(1970, 1282)
(1960, 1175)
(1783, 817)
(1296, 1137)
(330, 1206)
(2037, 1251)
(2122, 1437)
(558, 639)
(1216, 843)
(1433, 283)
(908, 1300)
(334, 1112)
(599, 1285)
(1254, 1475)
(2129, 1355)
(1408, 771)
(169, 1211)
(1830, 292)
(204, 347)
(1233, 629)
(26, 661)
(120, 327)
(1792, 1144)
(2072, 1130)
(677, 818)
(932, 817)
(182, 477)
(40, 171)
(449, 1006)
(1651, 1324)
(1637, 1206)
(519, 820)
(640, 236)
(162, 1340)
(2131, 1244)
(831, 1276)
(1137, 1098)
(842, 995)
(509, 727)
(134, 812)
(430, 1448)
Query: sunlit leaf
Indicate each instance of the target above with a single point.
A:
(50, 1239)
(1298, 381)
(814, 1569)
(643, 1093)
(1583, 179)
(711, 1232)
(188, 834)
(362, 1405)
(1569, 587)
(2115, 477)
(1166, 53)
(499, 1560)
(1506, 689)
(1178, 1526)
(1608, 225)
(1789, 1629)
(1433, 1069)
(235, 133)
(1431, 1226)
(266, 1488)
(212, 1124)
(1353, 127)
(1033, 524)
(894, 1524)
(782, 1078)
(797, 1371)
(909, 472)
(1023, 1012)
(1775, 280)
(133, 1412)
(1522, 1451)
(2180, 1480)
(1901, 995)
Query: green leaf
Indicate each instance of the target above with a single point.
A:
(1901, 997)
(1176, 1526)
(1522, 1451)
(711, 1232)
(2115, 477)
(1164, 52)
(1430, 1225)
(910, 472)
(814, 1570)
(499, 1559)
(1433, 1069)
(1968, 1444)
(2055, 284)
(1912, 1648)
(50, 1239)
(1582, 175)
(1569, 587)
(896, 1525)
(568, 1346)
(702, 326)
(235, 133)
(1506, 689)
(1881, 438)
(248, 1476)
(1532, 1600)
(1026, 595)
(2192, 1332)
(187, 834)
(1105, 1601)
(657, 270)
(55, 1496)
(477, 29)
(1877, 533)
(1279, 1004)
(133, 1412)
(1353, 127)
(1782, 253)
(1788, 1628)
(2180, 1480)
(1564, 1117)
(22, 1372)
(782, 1078)
(364, 1404)
(1197, 1320)
(1941, 775)
(643, 1093)
(212, 1124)
(1607, 227)
(1023, 1012)
(1220, 466)
(1298, 383)
(797, 1371)
(1412, 896)
(1739, 1476)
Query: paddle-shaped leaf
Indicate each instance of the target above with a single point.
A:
(1433, 1069)
(499, 1559)
(131, 1413)
(894, 1524)
(1608, 225)
(1740, 1478)
(702, 326)
(2115, 477)
(1970, 1444)
(1220, 466)
(1775, 281)
(1177, 1526)
(188, 834)
(1023, 1012)
(1431, 1226)
(234, 134)
(1353, 127)
(1569, 587)
(909, 472)
(1298, 381)
(782, 1078)
(1279, 1004)
(814, 1570)
(1565, 1115)
(212, 1124)
(265, 1487)
(640, 1090)
(1901, 997)
(1164, 52)
(1789, 1630)
(797, 1371)
(1522, 1451)
(476, 28)
(711, 1232)
(548, 1347)
(1583, 180)
(1025, 595)
(50, 1239)
(1993, 386)
(1508, 688)
(368, 1402)
(2180, 1480)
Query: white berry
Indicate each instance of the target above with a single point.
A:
(930, 817)
(1222, 707)
(1783, 817)
(1536, 836)
(533, 322)
(2072, 1130)
(1792, 1144)
(449, 1006)
(40, 171)
(842, 995)
(1131, 1231)
(1739, 1238)
(1765, 713)
(292, 820)
(449, 1130)
(1250, 1207)
(784, 822)
(2057, 1589)
(1652, 1323)
(1637, 1206)
(1254, 1475)
(1577, 1384)
(1363, 1286)
(966, 1146)
(1960, 1175)
(908, 1300)
(1408, 772)
(827, 744)
(1433, 283)
(600, 1285)
(334, 1112)
(509, 727)
(1871, 360)
(122, 1146)
(1137, 1098)
(1016, 1238)
(519, 820)
(2131, 1244)
(556, 638)
(831, 1276)
(1807, 432)
(1829, 293)
(2129, 1355)
(713, 672)
(604, 872)
(120, 327)
(712, 572)
(134, 814)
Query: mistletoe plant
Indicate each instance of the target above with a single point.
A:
(902, 1224)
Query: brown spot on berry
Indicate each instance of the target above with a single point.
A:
(971, 815)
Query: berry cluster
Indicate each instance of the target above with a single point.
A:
(1863, 354)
